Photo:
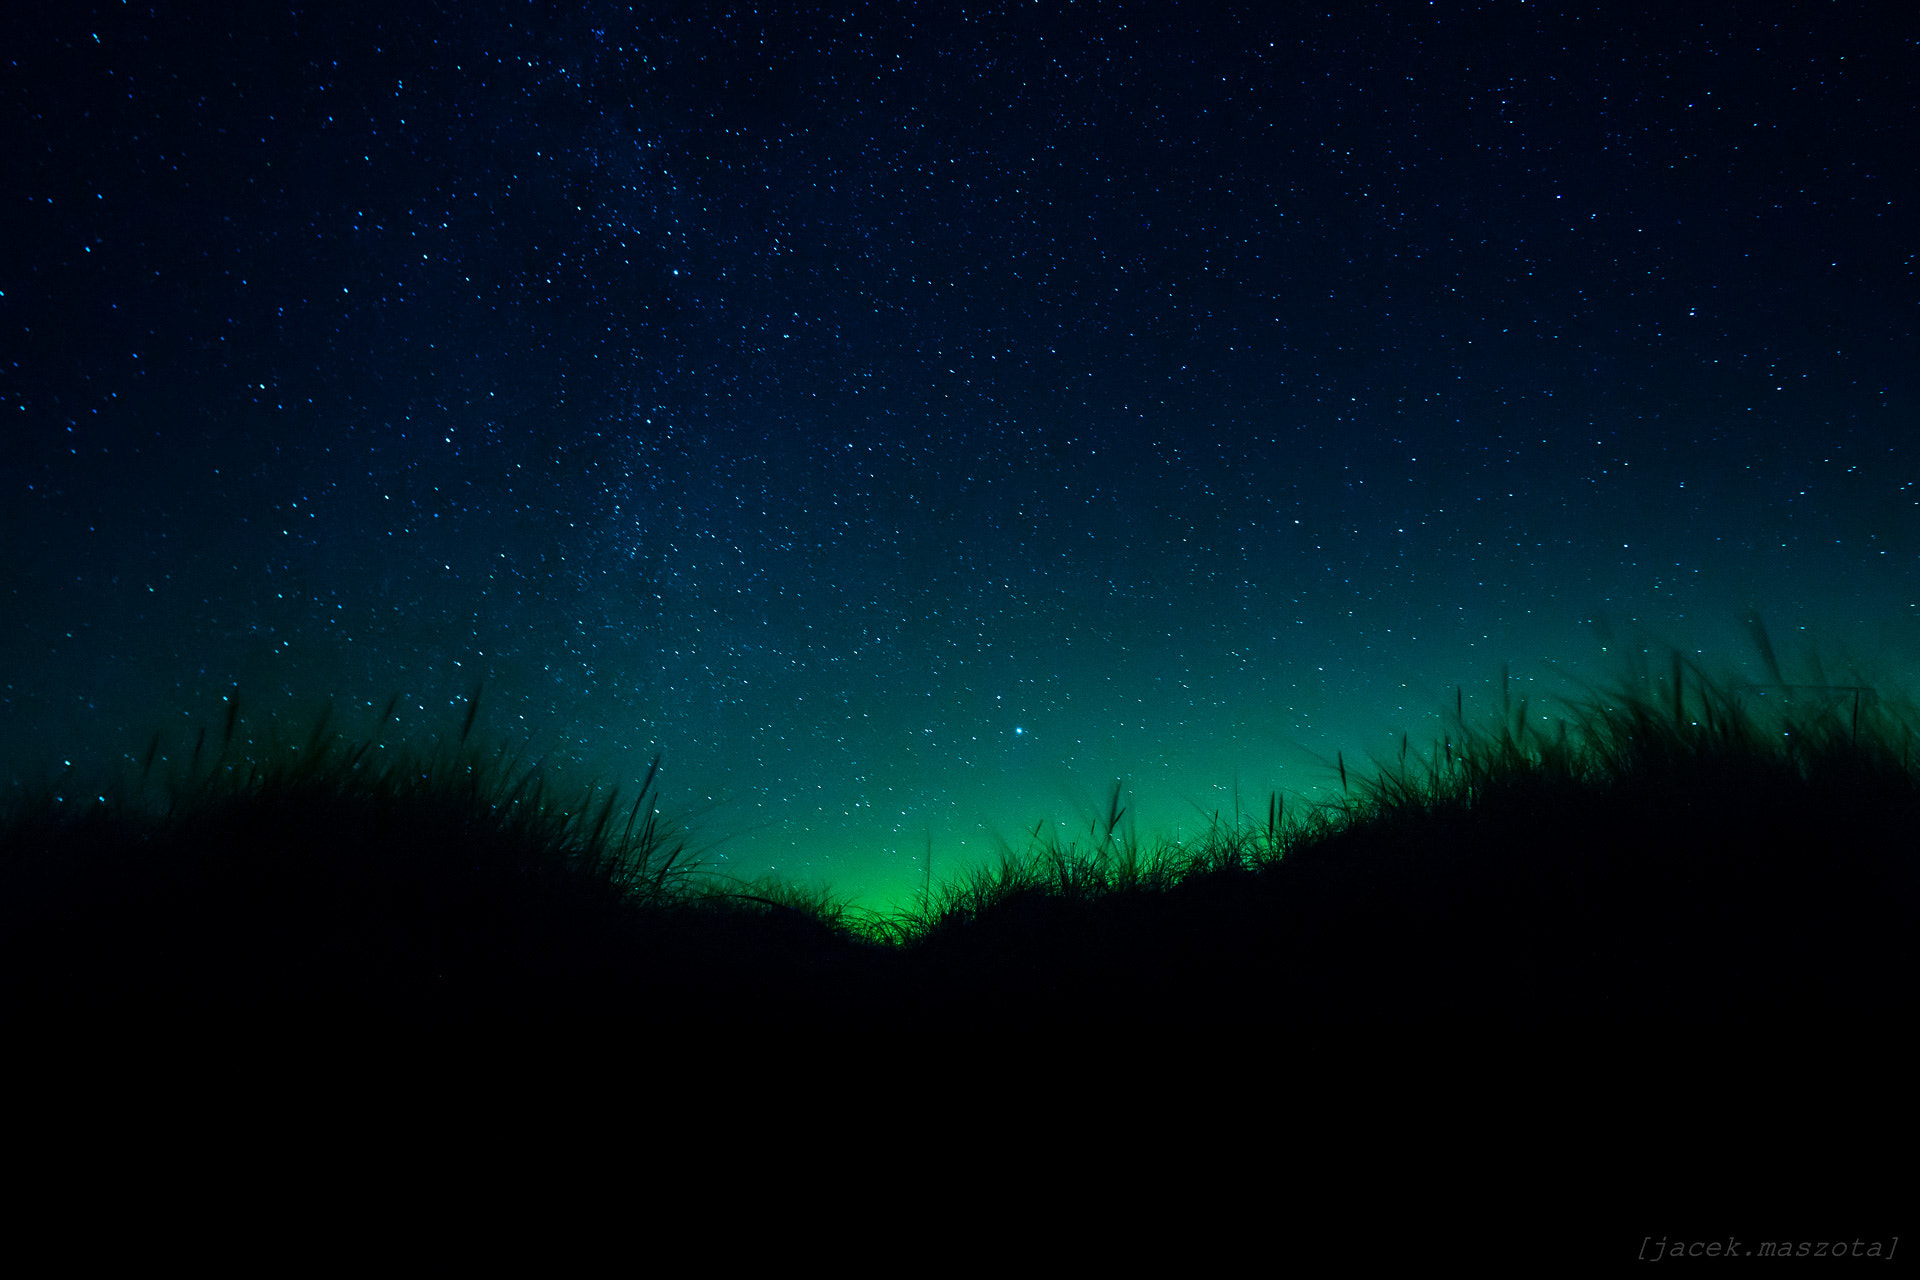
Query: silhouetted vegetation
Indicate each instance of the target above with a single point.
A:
(1676, 848)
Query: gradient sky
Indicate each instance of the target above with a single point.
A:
(911, 419)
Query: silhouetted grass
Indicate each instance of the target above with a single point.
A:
(1675, 848)
(320, 870)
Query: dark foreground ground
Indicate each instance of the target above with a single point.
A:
(1652, 976)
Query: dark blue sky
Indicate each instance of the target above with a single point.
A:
(910, 419)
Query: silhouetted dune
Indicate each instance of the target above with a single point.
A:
(1674, 852)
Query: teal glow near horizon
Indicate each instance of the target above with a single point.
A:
(858, 814)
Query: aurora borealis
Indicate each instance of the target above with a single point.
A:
(908, 420)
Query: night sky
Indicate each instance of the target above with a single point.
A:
(910, 419)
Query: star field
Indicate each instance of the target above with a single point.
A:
(910, 419)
